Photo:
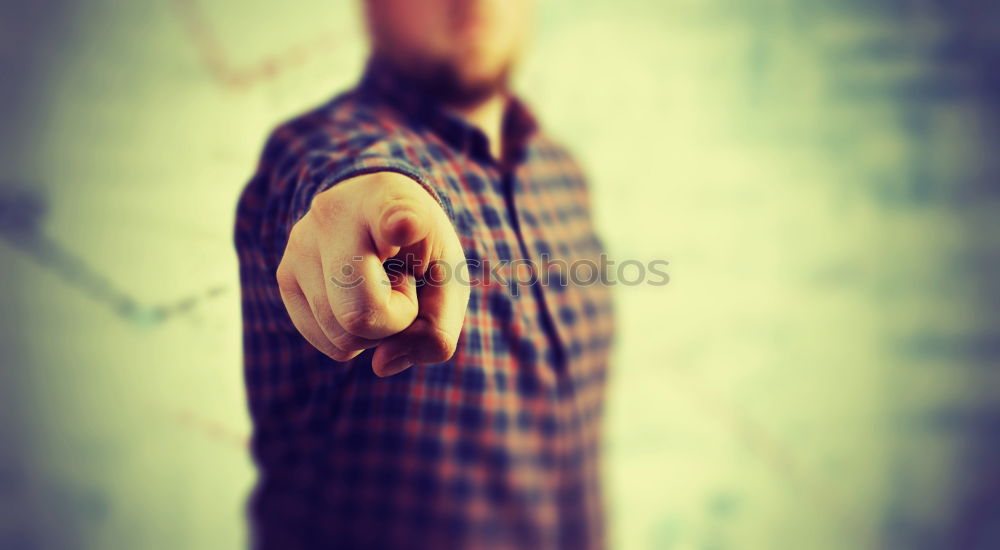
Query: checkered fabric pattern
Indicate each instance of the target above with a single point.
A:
(496, 448)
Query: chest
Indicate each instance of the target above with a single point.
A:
(536, 262)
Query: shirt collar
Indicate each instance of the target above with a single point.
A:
(382, 82)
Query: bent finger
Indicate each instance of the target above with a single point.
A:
(314, 289)
(362, 297)
(301, 315)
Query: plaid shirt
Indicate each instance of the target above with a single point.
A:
(496, 448)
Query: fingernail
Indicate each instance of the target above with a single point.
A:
(398, 364)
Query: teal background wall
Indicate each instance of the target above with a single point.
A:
(822, 372)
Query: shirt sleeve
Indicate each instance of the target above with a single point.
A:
(326, 176)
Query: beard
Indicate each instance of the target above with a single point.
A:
(448, 82)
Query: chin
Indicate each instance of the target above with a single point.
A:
(483, 72)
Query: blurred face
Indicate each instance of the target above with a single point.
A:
(463, 50)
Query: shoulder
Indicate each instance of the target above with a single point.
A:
(343, 124)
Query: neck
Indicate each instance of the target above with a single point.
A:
(487, 115)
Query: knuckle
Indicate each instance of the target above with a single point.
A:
(359, 318)
(448, 347)
(296, 248)
(440, 346)
(324, 317)
(348, 341)
(295, 236)
(285, 276)
(327, 205)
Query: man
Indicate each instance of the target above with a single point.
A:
(408, 388)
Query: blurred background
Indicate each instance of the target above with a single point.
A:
(822, 372)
